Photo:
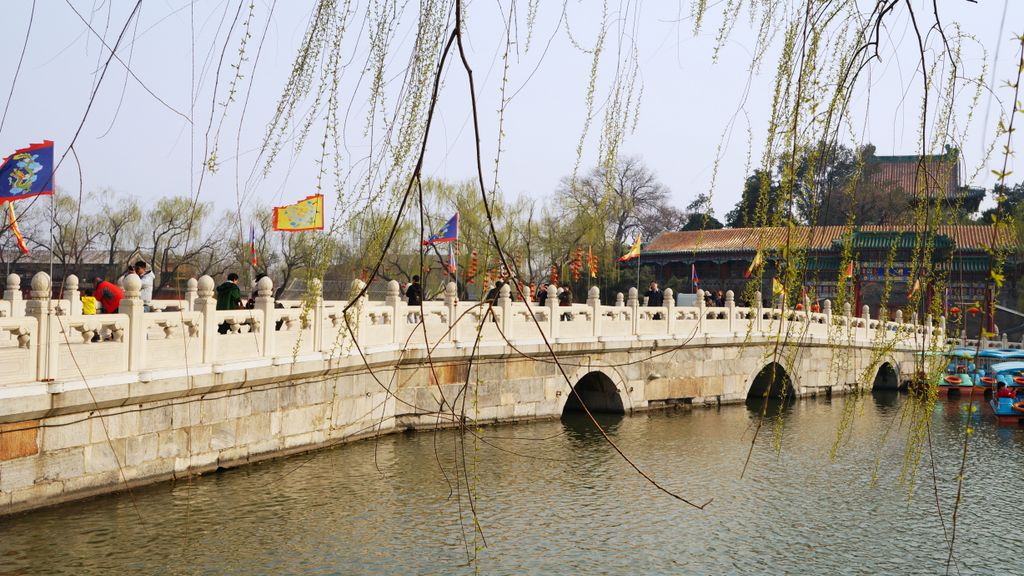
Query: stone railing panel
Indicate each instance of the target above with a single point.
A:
(293, 331)
(172, 340)
(717, 321)
(685, 322)
(476, 317)
(95, 345)
(17, 349)
(376, 324)
(616, 322)
(432, 320)
(575, 322)
(523, 325)
(652, 320)
(238, 335)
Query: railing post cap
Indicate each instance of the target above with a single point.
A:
(552, 290)
(668, 293)
(594, 292)
(192, 284)
(71, 282)
(264, 287)
(132, 286)
(700, 293)
(205, 286)
(392, 289)
(451, 289)
(41, 284)
(505, 291)
(13, 282)
(633, 293)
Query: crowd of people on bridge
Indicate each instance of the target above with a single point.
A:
(105, 296)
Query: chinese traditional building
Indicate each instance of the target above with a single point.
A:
(935, 177)
(960, 254)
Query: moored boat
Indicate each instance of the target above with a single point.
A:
(1008, 410)
(961, 377)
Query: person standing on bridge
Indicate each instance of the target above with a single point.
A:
(146, 291)
(229, 297)
(655, 298)
(414, 298)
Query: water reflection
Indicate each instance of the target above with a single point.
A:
(554, 498)
(580, 428)
(770, 407)
(885, 397)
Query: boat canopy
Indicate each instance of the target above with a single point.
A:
(1015, 366)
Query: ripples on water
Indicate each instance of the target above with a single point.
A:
(570, 506)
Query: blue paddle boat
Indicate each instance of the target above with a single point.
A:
(1008, 410)
(961, 376)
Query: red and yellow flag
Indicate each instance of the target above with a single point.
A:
(634, 252)
(754, 264)
(12, 218)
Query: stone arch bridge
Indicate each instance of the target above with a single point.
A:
(93, 403)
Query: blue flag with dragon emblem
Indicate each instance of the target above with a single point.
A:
(28, 172)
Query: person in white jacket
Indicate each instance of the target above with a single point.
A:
(146, 292)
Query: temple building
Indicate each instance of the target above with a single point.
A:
(721, 258)
(934, 176)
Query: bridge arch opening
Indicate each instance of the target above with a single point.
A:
(772, 383)
(597, 391)
(886, 378)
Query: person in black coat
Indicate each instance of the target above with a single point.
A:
(493, 293)
(414, 292)
(654, 295)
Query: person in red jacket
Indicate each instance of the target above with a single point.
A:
(108, 294)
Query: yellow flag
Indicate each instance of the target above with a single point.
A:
(753, 264)
(634, 252)
(306, 214)
(777, 287)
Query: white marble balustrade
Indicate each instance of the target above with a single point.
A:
(44, 339)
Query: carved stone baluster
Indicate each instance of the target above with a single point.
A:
(131, 305)
(73, 295)
(206, 305)
(41, 307)
(670, 306)
(191, 293)
(12, 294)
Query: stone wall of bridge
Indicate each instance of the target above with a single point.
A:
(98, 404)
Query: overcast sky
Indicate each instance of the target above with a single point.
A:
(134, 144)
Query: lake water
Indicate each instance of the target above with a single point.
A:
(553, 498)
